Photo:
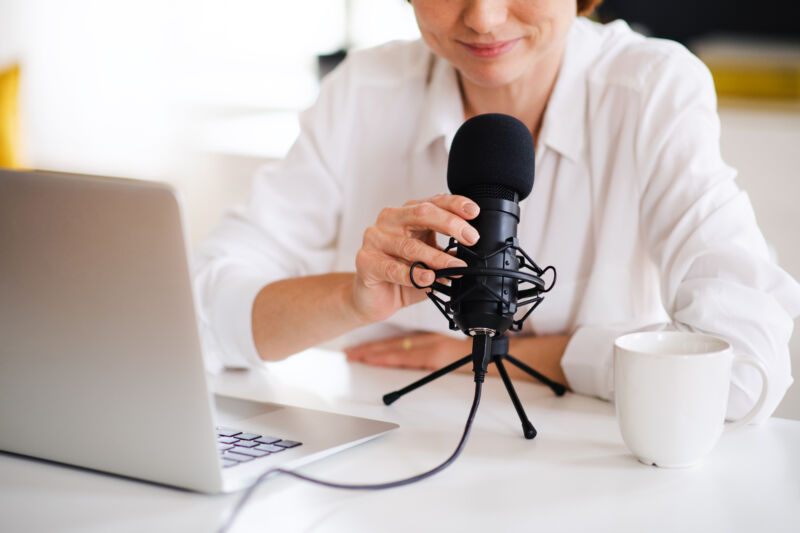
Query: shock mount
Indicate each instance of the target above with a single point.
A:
(488, 345)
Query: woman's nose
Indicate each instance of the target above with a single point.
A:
(484, 16)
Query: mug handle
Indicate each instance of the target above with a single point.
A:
(731, 426)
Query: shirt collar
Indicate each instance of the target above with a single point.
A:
(564, 118)
(442, 110)
(565, 115)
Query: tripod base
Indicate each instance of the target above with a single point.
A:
(499, 353)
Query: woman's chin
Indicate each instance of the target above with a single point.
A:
(489, 76)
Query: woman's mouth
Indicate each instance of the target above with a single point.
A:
(489, 50)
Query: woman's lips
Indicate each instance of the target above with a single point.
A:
(493, 49)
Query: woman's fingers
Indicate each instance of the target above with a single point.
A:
(402, 343)
(376, 267)
(429, 351)
(456, 204)
(409, 249)
(429, 215)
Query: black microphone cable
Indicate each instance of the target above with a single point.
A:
(377, 486)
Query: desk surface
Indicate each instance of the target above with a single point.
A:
(575, 476)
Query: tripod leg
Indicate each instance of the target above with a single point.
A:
(389, 398)
(527, 428)
(557, 388)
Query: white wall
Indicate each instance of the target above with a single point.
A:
(95, 85)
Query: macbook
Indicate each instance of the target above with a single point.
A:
(100, 359)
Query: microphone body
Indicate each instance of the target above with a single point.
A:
(492, 163)
(480, 309)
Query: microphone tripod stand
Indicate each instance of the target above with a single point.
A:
(487, 349)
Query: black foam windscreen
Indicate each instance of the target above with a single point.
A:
(492, 155)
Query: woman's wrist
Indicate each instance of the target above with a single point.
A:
(283, 309)
(348, 306)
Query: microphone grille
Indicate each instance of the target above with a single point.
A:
(491, 190)
(491, 154)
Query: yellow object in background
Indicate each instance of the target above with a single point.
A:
(752, 68)
(763, 81)
(9, 118)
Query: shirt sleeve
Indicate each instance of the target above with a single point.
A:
(715, 271)
(288, 229)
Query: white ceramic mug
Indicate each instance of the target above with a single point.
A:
(671, 394)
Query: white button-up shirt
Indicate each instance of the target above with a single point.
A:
(632, 204)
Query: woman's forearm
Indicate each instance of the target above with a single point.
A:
(294, 314)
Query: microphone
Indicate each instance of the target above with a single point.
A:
(491, 162)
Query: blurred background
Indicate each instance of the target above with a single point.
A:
(200, 93)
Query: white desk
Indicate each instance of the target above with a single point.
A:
(575, 476)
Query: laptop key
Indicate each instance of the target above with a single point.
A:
(267, 440)
(226, 462)
(227, 440)
(230, 454)
(247, 436)
(227, 432)
(221, 446)
(287, 443)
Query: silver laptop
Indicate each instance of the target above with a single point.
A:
(100, 359)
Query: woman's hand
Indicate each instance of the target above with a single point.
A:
(432, 351)
(399, 237)
(427, 351)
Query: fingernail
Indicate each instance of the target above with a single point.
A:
(470, 234)
(426, 277)
(472, 209)
(456, 263)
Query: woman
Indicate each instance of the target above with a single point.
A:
(632, 204)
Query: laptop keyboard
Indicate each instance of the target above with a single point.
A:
(237, 447)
